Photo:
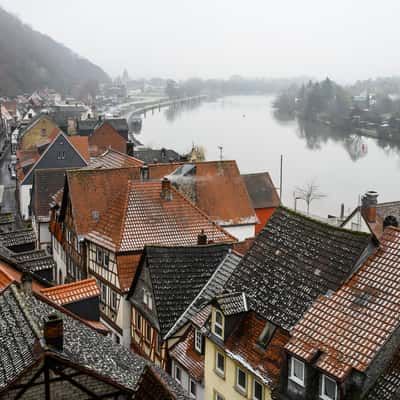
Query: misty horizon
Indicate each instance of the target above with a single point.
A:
(206, 39)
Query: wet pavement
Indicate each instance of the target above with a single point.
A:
(9, 201)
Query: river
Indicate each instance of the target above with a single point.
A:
(245, 126)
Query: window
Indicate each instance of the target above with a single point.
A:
(266, 334)
(328, 388)
(192, 389)
(218, 396)
(43, 131)
(297, 371)
(61, 155)
(257, 391)
(219, 324)
(113, 300)
(148, 332)
(158, 344)
(138, 322)
(147, 300)
(99, 257)
(241, 380)
(220, 363)
(178, 374)
(103, 292)
(198, 341)
(106, 259)
(69, 236)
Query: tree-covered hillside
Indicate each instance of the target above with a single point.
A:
(30, 60)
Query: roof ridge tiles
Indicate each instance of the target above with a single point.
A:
(35, 328)
(319, 222)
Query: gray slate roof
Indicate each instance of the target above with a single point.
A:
(149, 156)
(387, 386)
(232, 303)
(177, 275)
(292, 261)
(22, 326)
(16, 238)
(261, 190)
(211, 289)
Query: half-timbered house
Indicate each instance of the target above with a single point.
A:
(167, 281)
(105, 219)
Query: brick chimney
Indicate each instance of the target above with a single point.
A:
(368, 205)
(26, 282)
(202, 238)
(53, 332)
(166, 189)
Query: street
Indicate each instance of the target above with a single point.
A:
(9, 203)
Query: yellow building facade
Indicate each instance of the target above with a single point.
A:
(228, 379)
(38, 132)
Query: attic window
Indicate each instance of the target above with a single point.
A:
(328, 388)
(147, 300)
(266, 334)
(198, 341)
(218, 324)
(296, 371)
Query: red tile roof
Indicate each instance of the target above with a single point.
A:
(8, 272)
(242, 347)
(126, 267)
(114, 159)
(220, 190)
(5, 279)
(184, 353)
(72, 292)
(351, 326)
(132, 214)
(82, 145)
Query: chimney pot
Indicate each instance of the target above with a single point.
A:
(166, 189)
(202, 238)
(53, 332)
(368, 205)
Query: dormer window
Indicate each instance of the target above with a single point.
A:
(266, 334)
(198, 341)
(328, 388)
(296, 373)
(218, 328)
(147, 300)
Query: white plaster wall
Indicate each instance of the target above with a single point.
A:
(24, 201)
(45, 234)
(185, 381)
(59, 257)
(241, 232)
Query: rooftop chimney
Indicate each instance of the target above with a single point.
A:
(368, 205)
(26, 282)
(53, 332)
(144, 172)
(166, 189)
(202, 238)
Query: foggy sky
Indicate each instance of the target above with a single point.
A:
(343, 39)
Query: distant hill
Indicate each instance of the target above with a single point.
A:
(30, 60)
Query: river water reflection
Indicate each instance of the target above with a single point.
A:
(245, 126)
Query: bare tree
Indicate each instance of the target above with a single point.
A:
(309, 192)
